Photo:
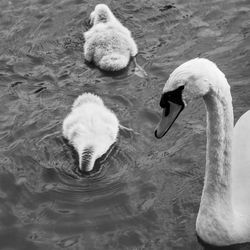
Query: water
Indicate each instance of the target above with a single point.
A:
(147, 194)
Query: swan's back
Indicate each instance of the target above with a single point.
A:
(241, 165)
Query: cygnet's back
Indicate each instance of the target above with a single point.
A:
(91, 128)
(108, 43)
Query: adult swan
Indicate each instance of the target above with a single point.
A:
(224, 214)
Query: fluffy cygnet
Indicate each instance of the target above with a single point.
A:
(108, 43)
(91, 128)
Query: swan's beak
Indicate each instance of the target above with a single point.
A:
(169, 115)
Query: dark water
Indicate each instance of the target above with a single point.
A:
(148, 192)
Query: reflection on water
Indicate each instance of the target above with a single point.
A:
(147, 194)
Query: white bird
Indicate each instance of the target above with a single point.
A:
(108, 43)
(224, 214)
(91, 128)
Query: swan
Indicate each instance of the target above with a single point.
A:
(224, 214)
(91, 128)
(108, 43)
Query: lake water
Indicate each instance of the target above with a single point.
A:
(147, 194)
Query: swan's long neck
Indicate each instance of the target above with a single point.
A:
(216, 201)
(219, 146)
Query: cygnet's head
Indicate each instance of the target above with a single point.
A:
(101, 14)
(91, 128)
(191, 80)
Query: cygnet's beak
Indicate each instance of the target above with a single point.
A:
(91, 18)
(89, 22)
(86, 160)
(169, 115)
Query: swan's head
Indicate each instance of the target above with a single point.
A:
(101, 14)
(191, 80)
(91, 128)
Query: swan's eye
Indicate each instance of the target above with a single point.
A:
(165, 104)
(174, 96)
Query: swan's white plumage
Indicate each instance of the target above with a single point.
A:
(90, 126)
(108, 43)
(224, 214)
(241, 164)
